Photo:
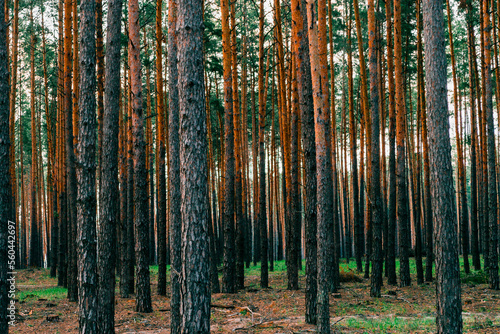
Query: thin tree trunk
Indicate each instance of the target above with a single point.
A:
(264, 276)
(391, 238)
(174, 189)
(162, 201)
(402, 193)
(143, 294)
(304, 85)
(492, 183)
(358, 232)
(35, 254)
(463, 215)
(229, 266)
(5, 199)
(475, 246)
(375, 194)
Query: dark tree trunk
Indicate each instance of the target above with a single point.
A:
(429, 225)
(375, 194)
(130, 261)
(264, 275)
(402, 190)
(35, 249)
(255, 173)
(5, 198)
(214, 275)
(449, 306)
(293, 228)
(416, 160)
(109, 198)
(195, 284)
(124, 254)
(86, 172)
(162, 200)
(229, 262)
(174, 176)
(304, 85)
(174, 190)
(476, 261)
(490, 126)
(143, 293)
(70, 157)
(391, 238)
(356, 221)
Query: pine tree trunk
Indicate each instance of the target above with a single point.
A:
(264, 275)
(86, 173)
(492, 182)
(449, 307)
(162, 201)
(143, 293)
(319, 74)
(12, 167)
(402, 191)
(304, 85)
(462, 214)
(70, 154)
(195, 284)
(375, 195)
(100, 87)
(229, 266)
(391, 238)
(356, 222)
(475, 246)
(124, 195)
(109, 199)
(5, 199)
(35, 248)
(416, 157)
(174, 189)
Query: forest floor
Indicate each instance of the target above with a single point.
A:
(42, 307)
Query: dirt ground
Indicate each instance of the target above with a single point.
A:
(43, 308)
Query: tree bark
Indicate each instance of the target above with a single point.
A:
(319, 75)
(304, 85)
(229, 266)
(5, 200)
(402, 191)
(490, 135)
(109, 195)
(162, 201)
(86, 172)
(143, 293)
(375, 194)
(264, 275)
(174, 189)
(449, 306)
(391, 238)
(195, 284)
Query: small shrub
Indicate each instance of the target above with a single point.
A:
(476, 277)
(349, 277)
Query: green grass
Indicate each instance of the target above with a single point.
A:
(280, 266)
(53, 293)
(387, 324)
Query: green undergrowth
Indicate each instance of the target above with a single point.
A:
(52, 293)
